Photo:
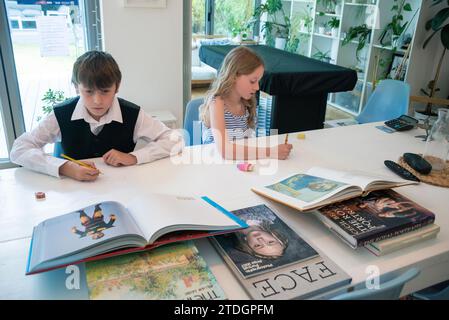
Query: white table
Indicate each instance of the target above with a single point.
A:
(361, 147)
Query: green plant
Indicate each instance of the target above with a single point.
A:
(395, 28)
(334, 23)
(328, 5)
(306, 16)
(362, 33)
(438, 25)
(50, 99)
(272, 27)
(322, 56)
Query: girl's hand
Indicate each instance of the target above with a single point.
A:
(281, 151)
(77, 172)
(116, 158)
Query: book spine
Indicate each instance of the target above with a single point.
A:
(394, 233)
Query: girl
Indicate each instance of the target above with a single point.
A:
(229, 109)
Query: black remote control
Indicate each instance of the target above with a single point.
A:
(400, 171)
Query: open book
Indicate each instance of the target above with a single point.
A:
(108, 228)
(319, 187)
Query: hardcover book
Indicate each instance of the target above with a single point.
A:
(380, 215)
(408, 239)
(319, 187)
(174, 271)
(108, 228)
(274, 262)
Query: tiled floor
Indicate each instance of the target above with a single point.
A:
(331, 112)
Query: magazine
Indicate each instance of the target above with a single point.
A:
(319, 187)
(274, 262)
(108, 228)
(175, 271)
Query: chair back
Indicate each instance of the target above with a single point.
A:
(390, 290)
(390, 100)
(192, 125)
(57, 150)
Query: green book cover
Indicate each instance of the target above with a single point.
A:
(171, 272)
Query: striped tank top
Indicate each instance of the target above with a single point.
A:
(236, 128)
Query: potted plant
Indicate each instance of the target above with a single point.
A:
(362, 33)
(394, 29)
(322, 56)
(438, 24)
(273, 28)
(328, 5)
(334, 24)
(50, 99)
(306, 20)
(322, 28)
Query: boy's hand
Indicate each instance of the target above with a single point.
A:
(116, 158)
(281, 151)
(77, 172)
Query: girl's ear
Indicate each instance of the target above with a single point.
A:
(117, 87)
(77, 89)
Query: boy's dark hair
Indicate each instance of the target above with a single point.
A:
(96, 69)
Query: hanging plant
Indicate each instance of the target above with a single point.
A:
(362, 33)
(395, 28)
(438, 24)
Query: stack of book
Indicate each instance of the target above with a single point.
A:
(358, 207)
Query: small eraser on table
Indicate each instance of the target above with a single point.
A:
(39, 195)
(245, 166)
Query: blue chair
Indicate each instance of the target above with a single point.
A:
(192, 125)
(389, 290)
(439, 291)
(390, 100)
(57, 150)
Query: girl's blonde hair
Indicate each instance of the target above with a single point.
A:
(239, 61)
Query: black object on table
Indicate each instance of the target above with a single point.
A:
(299, 85)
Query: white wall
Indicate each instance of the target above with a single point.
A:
(425, 61)
(147, 45)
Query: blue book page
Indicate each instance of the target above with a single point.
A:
(82, 229)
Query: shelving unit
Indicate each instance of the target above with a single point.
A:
(373, 58)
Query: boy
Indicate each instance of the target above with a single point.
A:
(95, 124)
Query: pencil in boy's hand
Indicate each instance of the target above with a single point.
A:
(286, 139)
(83, 164)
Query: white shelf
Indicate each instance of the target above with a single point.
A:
(360, 4)
(325, 36)
(328, 15)
(390, 48)
(351, 14)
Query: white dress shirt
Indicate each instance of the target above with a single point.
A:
(28, 152)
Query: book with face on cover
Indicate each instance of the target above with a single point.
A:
(107, 228)
(272, 261)
(381, 215)
(174, 271)
(319, 187)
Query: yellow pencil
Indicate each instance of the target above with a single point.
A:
(83, 164)
(286, 139)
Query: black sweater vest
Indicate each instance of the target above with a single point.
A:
(79, 142)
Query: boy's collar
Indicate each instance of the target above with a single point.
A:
(113, 114)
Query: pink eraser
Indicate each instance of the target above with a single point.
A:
(245, 166)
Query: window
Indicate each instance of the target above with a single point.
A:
(231, 17)
(198, 17)
(38, 53)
